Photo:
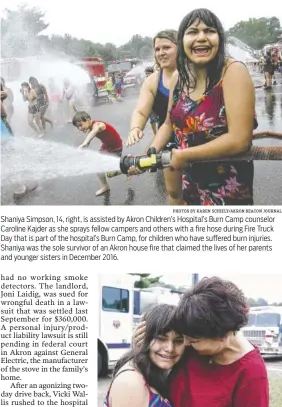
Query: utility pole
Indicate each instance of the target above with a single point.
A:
(195, 279)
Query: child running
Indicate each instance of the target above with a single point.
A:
(107, 134)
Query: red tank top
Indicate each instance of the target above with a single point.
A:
(110, 138)
(197, 383)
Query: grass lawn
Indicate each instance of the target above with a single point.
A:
(275, 391)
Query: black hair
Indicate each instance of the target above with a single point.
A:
(214, 68)
(149, 69)
(33, 81)
(2, 82)
(80, 117)
(26, 85)
(159, 321)
(213, 308)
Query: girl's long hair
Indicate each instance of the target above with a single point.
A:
(159, 320)
(214, 68)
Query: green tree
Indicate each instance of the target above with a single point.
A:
(261, 302)
(251, 302)
(256, 32)
(145, 281)
(145, 52)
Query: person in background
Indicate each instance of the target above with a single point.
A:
(34, 115)
(268, 70)
(107, 134)
(118, 87)
(153, 97)
(69, 95)
(6, 130)
(154, 119)
(6, 133)
(275, 64)
(140, 376)
(220, 367)
(8, 101)
(212, 113)
(110, 88)
(42, 101)
(55, 96)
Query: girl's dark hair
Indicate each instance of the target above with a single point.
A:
(159, 320)
(80, 117)
(211, 309)
(149, 69)
(33, 81)
(26, 85)
(214, 68)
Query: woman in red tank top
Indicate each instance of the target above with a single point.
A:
(211, 112)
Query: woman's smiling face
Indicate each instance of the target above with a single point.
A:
(167, 349)
(200, 43)
(165, 53)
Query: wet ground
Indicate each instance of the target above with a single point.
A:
(274, 369)
(148, 189)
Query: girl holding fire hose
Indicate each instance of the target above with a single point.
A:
(212, 113)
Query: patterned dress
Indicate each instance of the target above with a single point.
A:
(199, 122)
(155, 400)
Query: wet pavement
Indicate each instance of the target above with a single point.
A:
(148, 189)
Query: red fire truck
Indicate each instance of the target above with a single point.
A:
(96, 68)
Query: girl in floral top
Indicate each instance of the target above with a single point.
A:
(211, 111)
(140, 377)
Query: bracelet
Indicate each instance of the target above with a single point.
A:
(136, 127)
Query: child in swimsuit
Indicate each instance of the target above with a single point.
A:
(34, 116)
(70, 97)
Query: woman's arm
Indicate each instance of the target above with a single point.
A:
(239, 100)
(129, 389)
(164, 133)
(143, 109)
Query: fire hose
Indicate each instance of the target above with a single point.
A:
(152, 161)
